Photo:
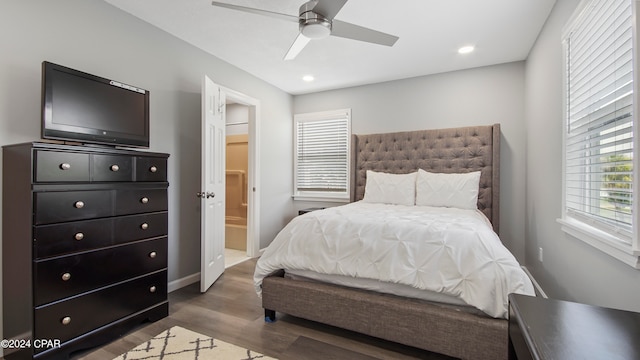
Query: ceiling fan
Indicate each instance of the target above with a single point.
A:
(316, 21)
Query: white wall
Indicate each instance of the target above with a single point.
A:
(481, 96)
(97, 38)
(571, 269)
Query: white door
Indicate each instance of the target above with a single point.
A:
(212, 192)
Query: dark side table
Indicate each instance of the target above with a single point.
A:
(553, 329)
(304, 211)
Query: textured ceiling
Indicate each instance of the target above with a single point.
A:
(430, 33)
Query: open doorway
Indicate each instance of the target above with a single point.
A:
(237, 181)
(241, 165)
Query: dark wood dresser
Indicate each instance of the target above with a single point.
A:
(84, 246)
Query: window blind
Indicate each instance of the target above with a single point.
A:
(599, 140)
(322, 153)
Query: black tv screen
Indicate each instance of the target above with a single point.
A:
(85, 108)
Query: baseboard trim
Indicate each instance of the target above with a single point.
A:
(535, 283)
(195, 277)
(185, 281)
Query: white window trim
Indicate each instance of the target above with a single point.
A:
(601, 240)
(320, 197)
(323, 196)
(610, 243)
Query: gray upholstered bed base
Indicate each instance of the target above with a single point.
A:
(407, 321)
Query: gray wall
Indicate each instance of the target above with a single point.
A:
(571, 269)
(94, 37)
(482, 96)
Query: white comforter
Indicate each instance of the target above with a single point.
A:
(446, 250)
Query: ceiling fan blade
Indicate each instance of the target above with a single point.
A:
(299, 43)
(355, 32)
(328, 8)
(257, 11)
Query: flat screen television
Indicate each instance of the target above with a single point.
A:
(89, 109)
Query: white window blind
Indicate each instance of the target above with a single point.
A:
(599, 140)
(322, 154)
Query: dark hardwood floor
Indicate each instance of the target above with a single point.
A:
(230, 311)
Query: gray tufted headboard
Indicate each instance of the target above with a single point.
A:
(457, 150)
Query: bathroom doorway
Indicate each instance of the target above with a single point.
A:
(238, 103)
(237, 182)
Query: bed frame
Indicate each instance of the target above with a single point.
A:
(412, 322)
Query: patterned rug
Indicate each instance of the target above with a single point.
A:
(181, 344)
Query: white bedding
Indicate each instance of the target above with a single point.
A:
(447, 250)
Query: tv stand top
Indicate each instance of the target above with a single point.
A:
(90, 148)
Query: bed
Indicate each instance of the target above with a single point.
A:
(462, 316)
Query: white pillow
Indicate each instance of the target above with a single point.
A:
(448, 190)
(398, 189)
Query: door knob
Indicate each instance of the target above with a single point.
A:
(207, 195)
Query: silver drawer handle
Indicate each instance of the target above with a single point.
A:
(65, 166)
(66, 320)
(78, 236)
(144, 226)
(78, 204)
(144, 200)
(153, 254)
(153, 169)
(152, 289)
(66, 277)
(115, 167)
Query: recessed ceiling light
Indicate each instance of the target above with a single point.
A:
(466, 49)
(308, 78)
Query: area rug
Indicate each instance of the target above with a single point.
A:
(178, 343)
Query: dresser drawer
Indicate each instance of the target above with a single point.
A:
(58, 206)
(151, 168)
(112, 168)
(60, 166)
(137, 201)
(138, 227)
(67, 319)
(65, 276)
(64, 238)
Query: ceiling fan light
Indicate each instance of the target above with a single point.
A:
(316, 30)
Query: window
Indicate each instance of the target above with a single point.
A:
(322, 142)
(600, 128)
